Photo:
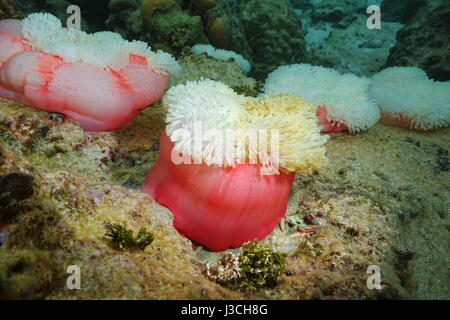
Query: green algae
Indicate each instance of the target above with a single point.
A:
(254, 267)
(123, 239)
(261, 266)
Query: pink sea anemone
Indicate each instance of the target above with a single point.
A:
(409, 99)
(224, 192)
(98, 80)
(219, 207)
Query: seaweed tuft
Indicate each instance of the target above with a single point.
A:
(123, 239)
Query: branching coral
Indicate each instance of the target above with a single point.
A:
(408, 98)
(170, 27)
(98, 80)
(343, 100)
(204, 4)
(217, 173)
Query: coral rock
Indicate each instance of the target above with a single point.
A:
(274, 34)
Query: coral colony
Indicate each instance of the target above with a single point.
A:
(98, 80)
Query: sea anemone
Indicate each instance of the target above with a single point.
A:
(99, 80)
(224, 55)
(215, 172)
(408, 98)
(342, 100)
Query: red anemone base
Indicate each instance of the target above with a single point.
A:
(218, 207)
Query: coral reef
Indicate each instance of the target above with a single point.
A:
(69, 197)
(340, 13)
(424, 42)
(175, 25)
(223, 25)
(125, 18)
(174, 29)
(198, 67)
(277, 41)
(148, 8)
(26, 273)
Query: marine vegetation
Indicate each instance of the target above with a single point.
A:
(123, 239)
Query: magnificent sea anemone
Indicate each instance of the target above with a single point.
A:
(408, 98)
(217, 172)
(343, 100)
(98, 80)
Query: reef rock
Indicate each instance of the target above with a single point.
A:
(171, 28)
(274, 34)
(205, 67)
(61, 186)
(356, 49)
(340, 13)
(223, 25)
(125, 18)
(424, 42)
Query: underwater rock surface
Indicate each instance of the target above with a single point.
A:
(356, 49)
(424, 42)
(366, 211)
(277, 41)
